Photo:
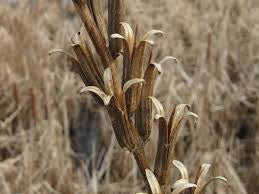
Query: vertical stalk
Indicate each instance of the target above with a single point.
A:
(116, 14)
(139, 155)
(99, 17)
(162, 162)
(33, 105)
(16, 97)
(209, 48)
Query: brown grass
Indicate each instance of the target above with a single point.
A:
(41, 108)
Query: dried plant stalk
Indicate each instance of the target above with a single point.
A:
(98, 17)
(143, 115)
(128, 100)
(136, 70)
(97, 39)
(94, 33)
(16, 97)
(209, 48)
(84, 65)
(116, 15)
(161, 163)
(33, 105)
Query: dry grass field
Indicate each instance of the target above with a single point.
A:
(55, 141)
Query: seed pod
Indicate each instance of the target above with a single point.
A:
(176, 122)
(84, 66)
(161, 163)
(94, 33)
(119, 124)
(143, 116)
(99, 17)
(108, 83)
(116, 15)
(131, 82)
(136, 70)
(75, 63)
(126, 56)
(97, 71)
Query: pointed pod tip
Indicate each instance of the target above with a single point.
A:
(152, 33)
(105, 98)
(169, 58)
(83, 90)
(53, 51)
(126, 27)
(76, 39)
(193, 115)
(183, 187)
(183, 170)
(124, 24)
(131, 82)
(224, 179)
(159, 107)
(149, 41)
(153, 182)
(74, 45)
(158, 67)
(221, 178)
(117, 36)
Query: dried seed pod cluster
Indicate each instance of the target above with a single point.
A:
(128, 96)
(183, 184)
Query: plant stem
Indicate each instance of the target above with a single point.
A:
(139, 155)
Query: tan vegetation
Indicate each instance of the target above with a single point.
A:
(216, 44)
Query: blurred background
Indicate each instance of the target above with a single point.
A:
(54, 141)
